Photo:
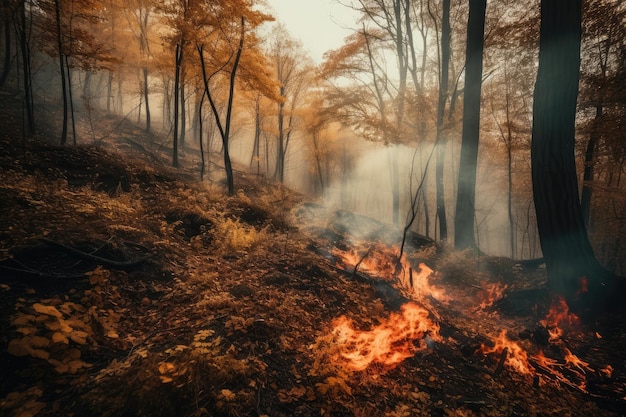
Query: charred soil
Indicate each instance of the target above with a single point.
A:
(131, 289)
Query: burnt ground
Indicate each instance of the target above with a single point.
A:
(131, 289)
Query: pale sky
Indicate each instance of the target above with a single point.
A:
(319, 24)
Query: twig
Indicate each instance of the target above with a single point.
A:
(500, 366)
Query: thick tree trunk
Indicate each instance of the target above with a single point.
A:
(573, 270)
(465, 202)
(6, 68)
(440, 140)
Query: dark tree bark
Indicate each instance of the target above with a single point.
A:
(585, 198)
(440, 140)
(145, 97)
(465, 201)
(178, 62)
(6, 68)
(29, 125)
(573, 270)
(57, 10)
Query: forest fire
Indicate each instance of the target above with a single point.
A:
(382, 262)
(389, 343)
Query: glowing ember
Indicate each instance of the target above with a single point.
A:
(559, 319)
(387, 344)
(516, 358)
(490, 293)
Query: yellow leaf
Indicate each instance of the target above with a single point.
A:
(26, 330)
(17, 347)
(59, 337)
(48, 310)
(165, 379)
(79, 337)
(22, 319)
(37, 341)
(228, 395)
(40, 353)
(112, 334)
(166, 367)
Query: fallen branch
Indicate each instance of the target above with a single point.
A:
(103, 261)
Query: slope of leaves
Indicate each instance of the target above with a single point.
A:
(128, 290)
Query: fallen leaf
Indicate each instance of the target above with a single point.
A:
(48, 310)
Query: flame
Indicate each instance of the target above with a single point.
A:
(382, 262)
(387, 344)
(490, 293)
(516, 359)
(575, 362)
(544, 361)
(558, 319)
(607, 371)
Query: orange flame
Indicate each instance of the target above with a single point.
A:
(559, 319)
(490, 293)
(387, 344)
(382, 262)
(516, 358)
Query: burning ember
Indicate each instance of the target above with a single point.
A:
(387, 344)
(559, 319)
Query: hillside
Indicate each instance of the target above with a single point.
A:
(131, 289)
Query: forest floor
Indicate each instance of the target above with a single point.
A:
(128, 288)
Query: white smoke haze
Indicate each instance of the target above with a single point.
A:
(367, 190)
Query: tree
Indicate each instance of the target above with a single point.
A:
(572, 268)
(440, 141)
(292, 70)
(465, 202)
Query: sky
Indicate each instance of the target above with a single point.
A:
(319, 24)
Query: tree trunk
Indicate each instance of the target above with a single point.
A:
(57, 9)
(200, 127)
(440, 141)
(585, 199)
(280, 152)
(6, 68)
(145, 97)
(178, 61)
(70, 98)
(256, 147)
(183, 110)
(573, 270)
(465, 201)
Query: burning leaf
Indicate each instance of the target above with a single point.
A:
(389, 343)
